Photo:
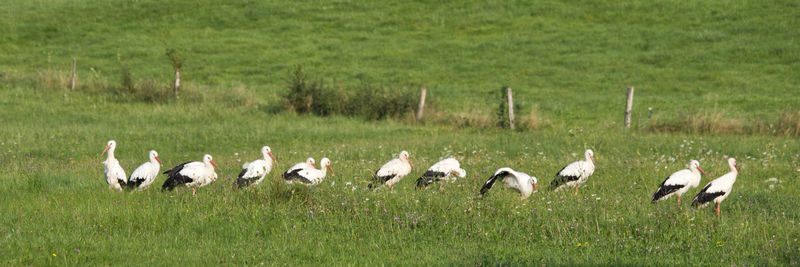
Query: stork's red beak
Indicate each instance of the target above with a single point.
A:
(534, 188)
(332, 172)
(314, 165)
(104, 150)
(592, 158)
(214, 163)
(272, 156)
(409, 163)
(159, 160)
(736, 166)
(701, 170)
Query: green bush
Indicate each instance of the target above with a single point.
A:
(368, 101)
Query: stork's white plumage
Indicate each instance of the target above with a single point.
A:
(679, 182)
(255, 171)
(191, 174)
(394, 170)
(143, 176)
(308, 164)
(442, 171)
(719, 189)
(311, 176)
(115, 175)
(521, 182)
(574, 174)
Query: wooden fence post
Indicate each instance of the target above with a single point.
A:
(628, 107)
(510, 108)
(421, 106)
(74, 70)
(177, 81)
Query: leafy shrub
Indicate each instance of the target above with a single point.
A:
(368, 101)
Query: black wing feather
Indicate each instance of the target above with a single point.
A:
(704, 196)
(135, 182)
(489, 183)
(429, 177)
(379, 180)
(175, 178)
(241, 181)
(560, 180)
(295, 175)
(664, 190)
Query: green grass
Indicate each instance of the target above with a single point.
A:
(56, 200)
(570, 60)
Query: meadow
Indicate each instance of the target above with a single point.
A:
(568, 62)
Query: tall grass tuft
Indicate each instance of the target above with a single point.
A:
(52, 79)
(147, 89)
(704, 121)
(716, 121)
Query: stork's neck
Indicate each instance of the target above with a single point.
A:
(110, 153)
(324, 169)
(589, 159)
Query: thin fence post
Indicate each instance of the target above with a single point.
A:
(177, 81)
(74, 74)
(421, 106)
(628, 108)
(510, 108)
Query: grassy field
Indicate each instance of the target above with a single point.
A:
(568, 60)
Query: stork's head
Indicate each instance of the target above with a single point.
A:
(208, 160)
(732, 163)
(310, 161)
(590, 155)
(110, 147)
(266, 151)
(154, 157)
(326, 163)
(695, 165)
(534, 182)
(405, 157)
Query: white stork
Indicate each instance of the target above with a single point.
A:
(716, 191)
(521, 182)
(115, 175)
(441, 171)
(679, 182)
(574, 174)
(308, 164)
(394, 170)
(143, 176)
(255, 171)
(311, 176)
(193, 174)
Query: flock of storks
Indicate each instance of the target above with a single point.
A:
(197, 174)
